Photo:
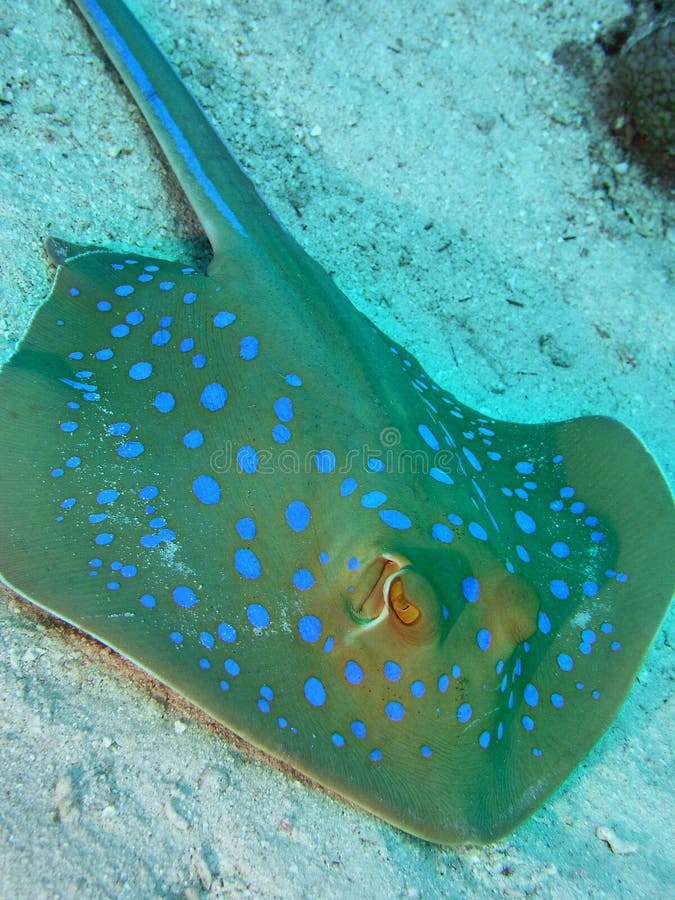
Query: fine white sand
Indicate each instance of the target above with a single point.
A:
(463, 187)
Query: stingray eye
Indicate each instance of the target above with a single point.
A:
(405, 610)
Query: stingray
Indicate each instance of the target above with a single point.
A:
(239, 483)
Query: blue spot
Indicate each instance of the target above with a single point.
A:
(392, 671)
(140, 371)
(353, 564)
(395, 519)
(353, 672)
(315, 692)
(186, 345)
(281, 434)
(560, 549)
(375, 755)
(206, 639)
(522, 553)
(525, 522)
(348, 487)
(124, 290)
(128, 571)
(454, 519)
(199, 361)
(176, 637)
(283, 407)
(104, 305)
(247, 563)
(247, 459)
(565, 662)
(375, 465)
(484, 639)
(528, 723)
(589, 636)
(267, 692)
(442, 533)
(164, 402)
(107, 496)
(263, 706)
(606, 628)
(189, 297)
(224, 686)
(248, 348)
(473, 460)
(418, 689)
(185, 596)
(118, 429)
(324, 557)
(524, 468)
(309, 628)
(478, 531)
(148, 601)
(298, 515)
(223, 319)
(373, 499)
(227, 633)
(337, 739)
(471, 589)
(294, 380)
(193, 439)
(358, 729)
(443, 683)
(246, 528)
(439, 475)
(149, 492)
(324, 461)
(232, 667)
(567, 492)
(165, 321)
(544, 623)
(428, 437)
(130, 449)
(104, 354)
(303, 579)
(206, 490)
(69, 426)
(394, 710)
(464, 713)
(119, 331)
(531, 695)
(257, 615)
(213, 397)
(560, 589)
(484, 739)
(135, 317)
(557, 700)
(426, 751)
(69, 503)
(166, 285)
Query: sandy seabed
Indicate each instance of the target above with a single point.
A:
(451, 164)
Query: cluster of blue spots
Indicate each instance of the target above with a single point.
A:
(394, 710)
(140, 371)
(213, 397)
(348, 487)
(395, 519)
(193, 439)
(464, 713)
(310, 629)
(223, 319)
(206, 489)
(298, 515)
(266, 697)
(303, 579)
(353, 672)
(315, 692)
(247, 459)
(392, 670)
(247, 563)
(248, 348)
(246, 528)
(258, 615)
(227, 633)
(185, 596)
(164, 402)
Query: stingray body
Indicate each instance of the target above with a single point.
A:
(235, 480)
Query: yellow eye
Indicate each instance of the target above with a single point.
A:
(406, 611)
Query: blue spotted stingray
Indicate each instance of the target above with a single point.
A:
(238, 482)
